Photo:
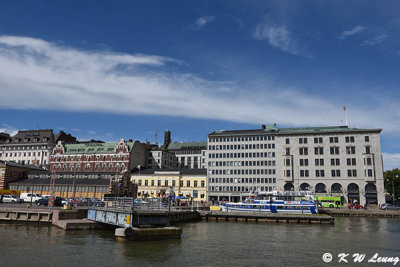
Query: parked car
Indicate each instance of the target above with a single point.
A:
(355, 206)
(139, 202)
(26, 197)
(12, 199)
(66, 201)
(388, 206)
(45, 201)
(96, 202)
(79, 202)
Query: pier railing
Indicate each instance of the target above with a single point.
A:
(131, 204)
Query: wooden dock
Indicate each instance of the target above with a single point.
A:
(266, 217)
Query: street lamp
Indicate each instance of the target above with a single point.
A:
(397, 177)
(387, 180)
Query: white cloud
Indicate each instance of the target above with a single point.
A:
(38, 75)
(280, 37)
(391, 161)
(91, 132)
(201, 22)
(376, 40)
(6, 128)
(355, 30)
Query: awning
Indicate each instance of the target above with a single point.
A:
(179, 197)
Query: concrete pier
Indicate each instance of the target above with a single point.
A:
(147, 234)
(266, 217)
(371, 213)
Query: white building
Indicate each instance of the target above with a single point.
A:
(327, 160)
(32, 147)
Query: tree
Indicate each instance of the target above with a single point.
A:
(392, 177)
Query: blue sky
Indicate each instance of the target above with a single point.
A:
(121, 69)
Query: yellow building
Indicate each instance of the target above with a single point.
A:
(191, 183)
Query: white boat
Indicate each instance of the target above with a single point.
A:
(275, 202)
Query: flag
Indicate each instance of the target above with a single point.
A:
(344, 108)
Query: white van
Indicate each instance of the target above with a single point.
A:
(26, 197)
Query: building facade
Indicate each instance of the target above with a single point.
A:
(32, 147)
(190, 155)
(11, 172)
(185, 183)
(73, 185)
(327, 160)
(106, 160)
(161, 159)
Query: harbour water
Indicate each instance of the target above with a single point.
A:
(203, 244)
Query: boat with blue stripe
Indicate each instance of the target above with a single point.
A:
(275, 202)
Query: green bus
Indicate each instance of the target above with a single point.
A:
(330, 201)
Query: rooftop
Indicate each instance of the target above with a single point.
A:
(61, 181)
(93, 148)
(15, 164)
(299, 130)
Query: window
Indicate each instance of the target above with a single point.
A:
(287, 151)
(349, 139)
(334, 150)
(333, 139)
(202, 183)
(304, 173)
(351, 162)
(287, 141)
(318, 150)
(188, 183)
(302, 140)
(146, 182)
(350, 150)
(195, 184)
(319, 162)
(317, 140)
(366, 138)
(370, 173)
(368, 150)
(369, 161)
(166, 182)
(303, 162)
(287, 162)
(287, 173)
(303, 151)
(335, 162)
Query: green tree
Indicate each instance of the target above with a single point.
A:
(392, 177)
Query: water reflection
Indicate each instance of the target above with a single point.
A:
(206, 244)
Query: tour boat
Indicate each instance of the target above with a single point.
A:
(275, 202)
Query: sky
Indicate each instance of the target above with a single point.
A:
(128, 69)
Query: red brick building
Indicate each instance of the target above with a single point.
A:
(105, 159)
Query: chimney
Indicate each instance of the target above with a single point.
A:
(263, 127)
(167, 138)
